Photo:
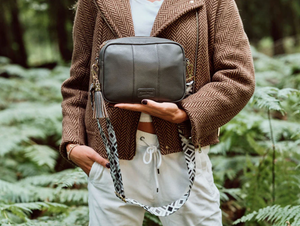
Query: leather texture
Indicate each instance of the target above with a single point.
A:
(137, 68)
(224, 80)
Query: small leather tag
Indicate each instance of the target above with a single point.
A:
(146, 92)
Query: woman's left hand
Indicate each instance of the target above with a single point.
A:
(167, 111)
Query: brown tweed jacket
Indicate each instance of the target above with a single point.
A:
(224, 79)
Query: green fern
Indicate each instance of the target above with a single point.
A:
(151, 219)
(22, 210)
(271, 97)
(75, 177)
(275, 214)
(66, 178)
(41, 155)
(30, 128)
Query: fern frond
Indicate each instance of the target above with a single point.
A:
(271, 97)
(263, 63)
(281, 129)
(150, 219)
(229, 167)
(29, 112)
(76, 176)
(72, 196)
(13, 193)
(14, 70)
(60, 195)
(236, 193)
(66, 178)
(23, 122)
(22, 210)
(276, 214)
(41, 155)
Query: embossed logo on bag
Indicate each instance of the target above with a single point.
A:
(146, 92)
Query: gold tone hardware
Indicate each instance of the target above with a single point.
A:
(95, 69)
(121, 197)
(190, 69)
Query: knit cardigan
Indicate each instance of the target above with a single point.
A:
(224, 80)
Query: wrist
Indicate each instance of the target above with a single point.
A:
(69, 149)
(181, 116)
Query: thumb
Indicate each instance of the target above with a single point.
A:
(102, 161)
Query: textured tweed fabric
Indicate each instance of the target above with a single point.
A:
(224, 79)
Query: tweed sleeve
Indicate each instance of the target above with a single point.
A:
(232, 83)
(75, 89)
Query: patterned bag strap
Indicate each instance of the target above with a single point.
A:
(99, 111)
(115, 171)
(113, 158)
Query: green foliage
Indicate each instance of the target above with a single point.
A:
(32, 192)
(244, 158)
(276, 214)
(151, 220)
(271, 97)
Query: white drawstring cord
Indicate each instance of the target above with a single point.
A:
(155, 152)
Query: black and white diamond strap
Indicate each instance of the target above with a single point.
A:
(115, 171)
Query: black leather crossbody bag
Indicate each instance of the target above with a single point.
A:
(136, 68)
(131, 69)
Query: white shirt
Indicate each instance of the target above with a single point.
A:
(143, 15)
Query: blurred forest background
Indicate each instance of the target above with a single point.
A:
(256, 165)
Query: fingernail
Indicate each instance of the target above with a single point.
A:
(144, 102)
(107, 165)
(111, 105)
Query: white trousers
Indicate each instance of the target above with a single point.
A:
(143, 183)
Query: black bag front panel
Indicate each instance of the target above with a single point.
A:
(131, 72)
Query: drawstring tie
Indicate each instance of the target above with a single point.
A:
(153, 152)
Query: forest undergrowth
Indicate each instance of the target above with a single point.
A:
(256, 165)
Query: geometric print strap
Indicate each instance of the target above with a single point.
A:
(115, 171)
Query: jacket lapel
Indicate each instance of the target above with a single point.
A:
(171, 10)
(118, 14)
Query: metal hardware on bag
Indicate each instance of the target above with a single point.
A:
(95, 70)
(121, 197)
(189, 68)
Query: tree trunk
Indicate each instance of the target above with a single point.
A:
(59, 13)
(276, 26)
(4, 39)
(17, 33)
(295, 22)
(13, 43)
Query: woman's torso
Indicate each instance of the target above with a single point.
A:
(143, 15)
(175, 21)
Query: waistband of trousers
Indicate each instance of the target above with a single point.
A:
(149, 138)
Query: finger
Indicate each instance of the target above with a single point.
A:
(150, 103)
(102, 161)
(131, 107)
(158, 109)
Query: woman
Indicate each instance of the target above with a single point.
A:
(224, 82)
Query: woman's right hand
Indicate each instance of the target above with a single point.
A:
(85, 156)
